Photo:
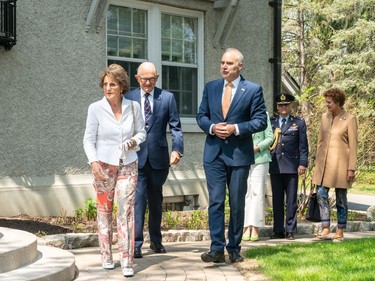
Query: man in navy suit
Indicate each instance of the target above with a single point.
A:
(228, 152)
(289, 160)
(153, 157)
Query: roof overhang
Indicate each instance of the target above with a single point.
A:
(95, 17)
(227, 21)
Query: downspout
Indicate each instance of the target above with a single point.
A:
(277, 58)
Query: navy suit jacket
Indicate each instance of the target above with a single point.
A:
(247, 110)
(164, 113)
(292, 149)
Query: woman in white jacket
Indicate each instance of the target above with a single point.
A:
(256, 184)
(114, 130)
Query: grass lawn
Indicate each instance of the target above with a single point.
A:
(364, 183)
(363, 189)
(350, 260)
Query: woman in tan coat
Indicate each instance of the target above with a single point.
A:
(335, 162)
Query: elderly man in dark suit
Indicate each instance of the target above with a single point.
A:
(232, 109)
(289, 160)
(160, 109)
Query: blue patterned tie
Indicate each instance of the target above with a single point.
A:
(148, 111)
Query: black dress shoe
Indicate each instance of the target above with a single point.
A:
(157, 247)
(213, 256)
(235, 257)
(278, 235)
(137, 253)
(290, 236)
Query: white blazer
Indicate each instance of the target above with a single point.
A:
(104, 133)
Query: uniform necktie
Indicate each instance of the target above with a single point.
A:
(283, 124)
(227, 98)
(147, 110)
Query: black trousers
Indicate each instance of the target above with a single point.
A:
(284, 194)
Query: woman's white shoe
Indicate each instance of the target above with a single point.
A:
(127, 272)
(108, 265)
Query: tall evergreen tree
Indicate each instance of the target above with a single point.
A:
(331, 43)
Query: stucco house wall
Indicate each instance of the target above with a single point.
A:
(48, 79)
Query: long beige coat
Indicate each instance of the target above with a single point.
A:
(336, 151)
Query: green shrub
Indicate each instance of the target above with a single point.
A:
(170, 220)
(90, 211)
(197, 220)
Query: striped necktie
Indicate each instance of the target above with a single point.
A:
(147, 110)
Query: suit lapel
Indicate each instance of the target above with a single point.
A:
(157, 104)
(217, 98)
(237, 96)
(288, 123)
(137, 96)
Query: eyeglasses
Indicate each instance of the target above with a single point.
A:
(281, 105)
(110, 85)
(151, 80)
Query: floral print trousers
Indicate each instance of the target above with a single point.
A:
(341, 206)
(121, 181)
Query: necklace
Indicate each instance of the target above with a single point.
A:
(334, 114)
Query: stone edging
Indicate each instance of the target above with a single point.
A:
(79, 240)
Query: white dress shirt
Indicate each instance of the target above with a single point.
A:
(104, 133)
(281, 118)
(234, 88)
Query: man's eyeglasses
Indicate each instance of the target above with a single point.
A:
(151, 80)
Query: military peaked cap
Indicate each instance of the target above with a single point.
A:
(284, 98)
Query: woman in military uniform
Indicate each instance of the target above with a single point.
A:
(289, 160)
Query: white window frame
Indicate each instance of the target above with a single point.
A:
(154, 45)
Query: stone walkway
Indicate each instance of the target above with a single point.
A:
(181, 262)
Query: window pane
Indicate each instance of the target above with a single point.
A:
(190, 41)
(190, 29)
(182, 82)
(139, 48)
(177, 50)
(166, 47)
(179, 39)
(128, 26)
(124, 21)
(190, 52)
(139, 23)
(112, 20)
(165, 25)
(125, 47)
(177, 27)
(112, 45)
(131, 69)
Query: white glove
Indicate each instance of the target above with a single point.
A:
(126, 145)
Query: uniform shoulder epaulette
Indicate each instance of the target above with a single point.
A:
(273, 118)
(297, 117)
